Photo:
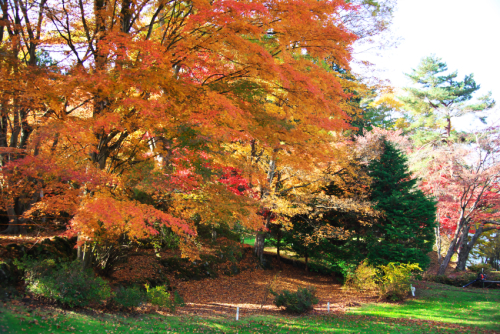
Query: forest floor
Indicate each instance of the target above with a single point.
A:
(211, 303)
(221, 294)
(249, 289)
(435, 309)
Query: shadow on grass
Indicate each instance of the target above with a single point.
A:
(17, 320)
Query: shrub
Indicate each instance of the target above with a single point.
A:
(478, 268)
(129, 297)
(296, 302)
(394, 280)
(7, 275)
(170, 240)
(364, 278)
(65, 282)
(159, 296)
(178, 300)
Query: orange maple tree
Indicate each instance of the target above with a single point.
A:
(124, 113)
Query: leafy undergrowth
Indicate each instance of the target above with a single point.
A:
(443, 304)
(224, 257)
(16, 319)
(249, 290)
(211, 304)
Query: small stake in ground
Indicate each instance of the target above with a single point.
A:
(328, 307)
(412, 290)
(237, 312)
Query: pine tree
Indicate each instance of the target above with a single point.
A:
(439, 97)
(404, 233)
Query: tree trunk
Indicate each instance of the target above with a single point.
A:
(260, 238)
(466, 246)
(14, 226)
(17, 224)
(453, 243)
(278, 242)
(463, 251)
(437, 230)
(307, 260)
(447, 258)
(84, 254)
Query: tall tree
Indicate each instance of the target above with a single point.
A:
(487, 249)
(154, 96)
(21, 30)
(465, 181)
(439, 96)
(404, 233)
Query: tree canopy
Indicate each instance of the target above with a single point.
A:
(439, 96)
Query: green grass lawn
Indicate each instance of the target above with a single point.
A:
(77, 323)
(446, 304)
(250, 240)
(439, 309)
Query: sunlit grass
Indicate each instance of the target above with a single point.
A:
(447, 304)
(439, 309)
(13, 322)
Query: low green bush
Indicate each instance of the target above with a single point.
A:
(170, 240)
(364, 278)
(159, 296)
(208, 232)
(392, 281)
(178, 300)
(300, 301)
(480, 267)
(7, 274)
(65, 282)
(129, 297)
(395, 280)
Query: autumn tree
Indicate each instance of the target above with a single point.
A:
(487, 248)
(464, 180)
(21, 70)
(333, 231)
(153, 99)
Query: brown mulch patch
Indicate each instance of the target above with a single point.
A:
(249, 291)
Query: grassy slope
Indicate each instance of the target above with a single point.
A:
(447, 304)
(74, 323)
(443, 308)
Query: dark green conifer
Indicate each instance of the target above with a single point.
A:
(404, 233)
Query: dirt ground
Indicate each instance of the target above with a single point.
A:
(248, 290)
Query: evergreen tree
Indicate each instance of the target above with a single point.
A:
(439, 96)
(405, 232)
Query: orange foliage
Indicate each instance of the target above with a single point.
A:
(149, 96)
